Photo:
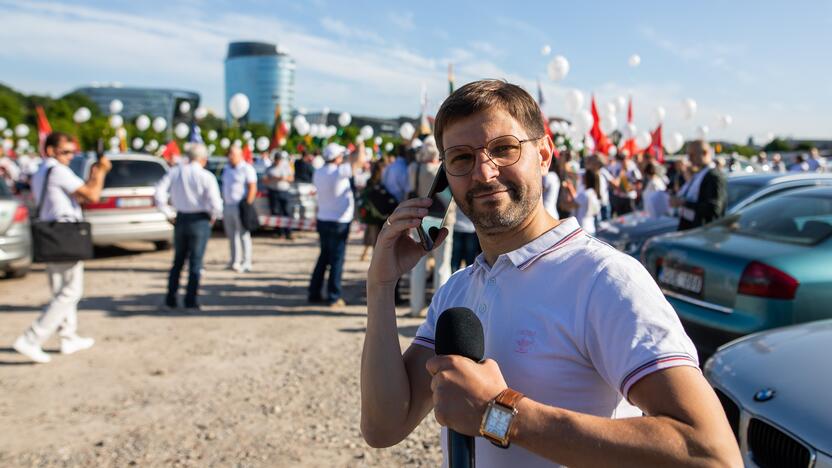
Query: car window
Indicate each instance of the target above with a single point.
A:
(800, 218)
(739, 191)
(5, 192)
(77, 165)
(134, 173)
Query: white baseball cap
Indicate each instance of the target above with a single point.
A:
(332, 151)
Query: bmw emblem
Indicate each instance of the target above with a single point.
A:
(765, 394)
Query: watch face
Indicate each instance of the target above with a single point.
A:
(498, 421)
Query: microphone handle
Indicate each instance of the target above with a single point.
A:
(460, 450)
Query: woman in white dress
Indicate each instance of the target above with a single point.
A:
(587, 205)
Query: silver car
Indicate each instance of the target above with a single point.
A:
(774, 387)
(15, 235)
(126, 210)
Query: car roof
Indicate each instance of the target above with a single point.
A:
(772, 178)
(822, 191)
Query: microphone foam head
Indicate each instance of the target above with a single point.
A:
(459, 331)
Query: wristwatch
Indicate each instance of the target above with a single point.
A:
(499, 417)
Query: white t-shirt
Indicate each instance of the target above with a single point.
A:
(281, 169)
(588, 208)
(551, 188)
(58, 203)
(335, 200)
(656, 199)
(572, 322)
(235, 180)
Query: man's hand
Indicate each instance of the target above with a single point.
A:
(462, 390)
(676, 202)
(104, 164)
(396, 252)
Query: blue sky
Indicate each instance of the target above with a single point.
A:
(767, 64)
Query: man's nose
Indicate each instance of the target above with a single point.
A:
(484, 168)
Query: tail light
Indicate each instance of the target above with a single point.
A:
(104, 203)
(762, 280)
(21, 214)
(262, 194)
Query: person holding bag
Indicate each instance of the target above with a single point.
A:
(58, 193)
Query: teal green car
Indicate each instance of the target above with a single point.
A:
(765, 266)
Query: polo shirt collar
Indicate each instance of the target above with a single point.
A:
(551, 240)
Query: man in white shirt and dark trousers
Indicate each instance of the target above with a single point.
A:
(336, 207)
(239, 181)
(60, 202)
(195, 195)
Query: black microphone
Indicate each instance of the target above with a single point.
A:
(459, 331)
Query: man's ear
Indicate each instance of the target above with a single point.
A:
(546, 151)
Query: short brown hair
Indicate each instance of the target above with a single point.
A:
(54, 139)
(485, 94)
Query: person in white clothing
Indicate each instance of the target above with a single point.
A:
(58, 193)
(587, 203)
(655, 197)
(239, 182)
(586, 363)
(551, 189)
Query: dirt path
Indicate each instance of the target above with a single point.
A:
(260, 378)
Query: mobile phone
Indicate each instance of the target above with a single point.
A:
(440, 193)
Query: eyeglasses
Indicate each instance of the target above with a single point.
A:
(502, 151)
(65, 152)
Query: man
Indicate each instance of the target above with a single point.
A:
(195, 195)
(279, 178)
(336, 206)
(702, 198)
(395, 178)
(578, 328)
(816, 162)
(304, 170)
(800, 164)
(777, 164)
(60, 202)
(239, 182)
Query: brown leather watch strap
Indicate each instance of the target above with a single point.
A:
(509, 398)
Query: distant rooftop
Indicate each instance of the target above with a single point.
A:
(247, 49)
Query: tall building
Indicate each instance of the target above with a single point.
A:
(262, 73)
(152, 102)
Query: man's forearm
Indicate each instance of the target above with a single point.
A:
(576, 439)
(385, 388)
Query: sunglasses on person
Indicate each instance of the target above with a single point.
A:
(502, 151)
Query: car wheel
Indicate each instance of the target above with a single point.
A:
(19, 273)
(162, 245)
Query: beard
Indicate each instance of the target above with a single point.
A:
(490, 219)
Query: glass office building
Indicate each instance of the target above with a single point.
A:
(265, 75)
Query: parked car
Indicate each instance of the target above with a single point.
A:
(126, 210)
(15, 235)
(774, 387)
(765, 266)
(628, 233)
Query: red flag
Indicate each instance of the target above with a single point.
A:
(630, 145)
(44, 129)
(247, 156)
(602, 145)
(656, 148)
(171, 150)
(279, 130)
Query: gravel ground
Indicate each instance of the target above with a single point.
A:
(258, 378)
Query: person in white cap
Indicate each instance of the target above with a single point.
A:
(336, 207)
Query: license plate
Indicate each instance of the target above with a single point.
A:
(681, 279)
(134, 202)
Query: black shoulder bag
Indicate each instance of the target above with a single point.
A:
(60, 242)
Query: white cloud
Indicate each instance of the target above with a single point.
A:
(402, 20)
(487, 48)
(339, 28)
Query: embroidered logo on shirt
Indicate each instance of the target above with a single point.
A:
(524, 341)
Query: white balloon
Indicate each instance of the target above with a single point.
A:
(137, 143)
(378, 140)
(558, 68)
(3, 123)
(634, 60)
(315, 130)
(366, 132)
(116, 106)
(611, 108)
(251, 144)
(21, 130)
(331, 131)
(237, 143)
(298, 120)
(81, 115)
(630, 130)
(725, 121)
(546, 50)
(643, 140)
(578, 146)
(407, 130)
(325, 110)
(225, 143)
(212, 135)
(22, 144)
(702, 132)
(142, 123)
(660, 113)
(8, 133)
(344, 119)
(181, 130)
(200, 113)
(388, 146)
(116, 121)
(688, 108)
(152, 145)
(263, 143)
(574, 100)
(159, 124)
(608, 123)
(621, 102)
(590, 144)
(211, 149)
(302, 110)
(184, 107)
(303, 128)
(114, 142)
(8, 144)
(246, 135)
(612, 150)
(674, 143)
(583, 122)
(238, 105)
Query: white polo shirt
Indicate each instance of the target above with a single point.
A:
(58, 204)
(235, 180)
(335, 200)
(572, 322)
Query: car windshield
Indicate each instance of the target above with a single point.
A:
(134, 173)
(804, 219)
(739, 191)
(5, 192)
